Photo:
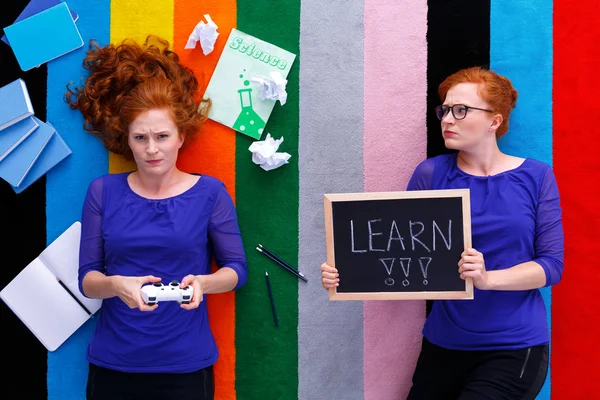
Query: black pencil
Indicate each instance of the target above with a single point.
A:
(271, 299)
(280, 260)
(282, 263)
(75, 298)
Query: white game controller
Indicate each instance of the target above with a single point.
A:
(152, 294)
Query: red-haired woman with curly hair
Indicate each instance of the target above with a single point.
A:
(496, 345)
(154, 225)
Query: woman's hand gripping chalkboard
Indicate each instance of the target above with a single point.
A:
(471, 265)
(329, 276)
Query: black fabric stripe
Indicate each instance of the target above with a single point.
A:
(458, 36)
(23, 232)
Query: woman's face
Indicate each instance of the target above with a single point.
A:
(477, 127)
(154, 141)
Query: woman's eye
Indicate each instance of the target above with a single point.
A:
(139, 137)
(163, 136)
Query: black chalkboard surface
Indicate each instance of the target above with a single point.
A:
(398, 245)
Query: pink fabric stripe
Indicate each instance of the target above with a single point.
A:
(395, 141)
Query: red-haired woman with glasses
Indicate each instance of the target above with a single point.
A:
(495, 346)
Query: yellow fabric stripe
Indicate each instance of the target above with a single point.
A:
(136, 20)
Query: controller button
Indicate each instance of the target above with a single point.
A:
(157, 284)
(174, 283)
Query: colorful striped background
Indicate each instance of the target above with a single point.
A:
(359, 117)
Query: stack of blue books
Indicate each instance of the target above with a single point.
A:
(35, 7)
(44, 31)
(29, 147)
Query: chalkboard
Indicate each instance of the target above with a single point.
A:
(398, 245)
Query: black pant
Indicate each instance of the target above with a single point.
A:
(443, 374)
(106, 384)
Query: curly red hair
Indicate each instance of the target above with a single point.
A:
(130, 78)
(496, 90)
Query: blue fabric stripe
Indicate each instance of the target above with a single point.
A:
(521, 49)
(67, 183)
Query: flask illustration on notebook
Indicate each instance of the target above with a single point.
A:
(248, 120)
(237, 99)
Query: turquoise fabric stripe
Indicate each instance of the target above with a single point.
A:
(67, 183)
(521, 49)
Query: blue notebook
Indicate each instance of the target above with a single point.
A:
(12, 136)
(55, 151)
(17, 164)
(34, 7)
(44, 37)
(15, 104)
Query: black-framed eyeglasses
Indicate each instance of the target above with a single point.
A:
(459, 111)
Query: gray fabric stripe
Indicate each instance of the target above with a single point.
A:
(330, 334)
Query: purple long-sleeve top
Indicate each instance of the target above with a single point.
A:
(129, 235)
(515, 218)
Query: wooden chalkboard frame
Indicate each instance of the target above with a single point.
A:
(464, 194)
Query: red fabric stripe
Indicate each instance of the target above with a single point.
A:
(575, 315)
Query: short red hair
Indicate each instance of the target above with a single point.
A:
(129, 79)
(496, 90)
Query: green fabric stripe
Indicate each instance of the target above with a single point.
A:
(267, 206)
